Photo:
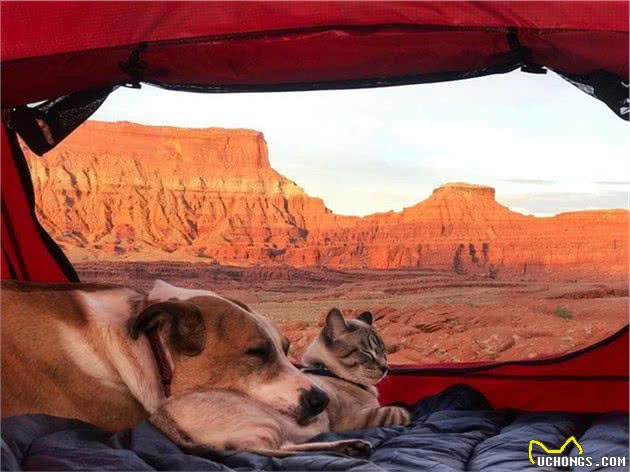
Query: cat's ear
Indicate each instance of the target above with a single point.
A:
(366, 317)
(335, 324)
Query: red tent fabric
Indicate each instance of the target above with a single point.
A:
(28, 253)
(62, 47)
(58, 49)
(594, 379)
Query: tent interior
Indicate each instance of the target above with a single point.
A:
(61, 68)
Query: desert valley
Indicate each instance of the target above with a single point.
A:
(456, 277)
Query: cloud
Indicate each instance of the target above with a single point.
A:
(613, 182)
(549, 203)
(529, 181)
(525, 211)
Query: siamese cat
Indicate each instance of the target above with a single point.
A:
(347, 360)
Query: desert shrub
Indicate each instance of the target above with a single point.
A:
(562, 312)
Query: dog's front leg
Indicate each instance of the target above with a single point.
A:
(350, 447)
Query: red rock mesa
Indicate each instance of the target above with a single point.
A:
(122, 190)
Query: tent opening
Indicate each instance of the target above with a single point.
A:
(373, 227)
(399, 201)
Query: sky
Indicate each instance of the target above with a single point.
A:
(545, 146)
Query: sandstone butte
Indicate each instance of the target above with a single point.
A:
(134, 192)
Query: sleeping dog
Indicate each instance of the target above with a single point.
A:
(351, 356)
(110, 356)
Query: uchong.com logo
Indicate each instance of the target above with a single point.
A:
(555, 458)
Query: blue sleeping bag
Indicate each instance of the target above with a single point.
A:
(454, 430)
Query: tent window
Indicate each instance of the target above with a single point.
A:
(454, 212)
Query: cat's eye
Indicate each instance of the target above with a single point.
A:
(368, 355)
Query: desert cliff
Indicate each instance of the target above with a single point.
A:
(127, 191)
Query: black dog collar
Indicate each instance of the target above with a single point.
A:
(320, 368)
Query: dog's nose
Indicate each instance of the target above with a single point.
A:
(313, 402)
(316, 400)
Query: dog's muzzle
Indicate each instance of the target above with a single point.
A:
(312, 403)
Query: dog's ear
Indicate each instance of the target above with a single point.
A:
(187, 330)
(241, 304)
(335, 324)
(366, 317)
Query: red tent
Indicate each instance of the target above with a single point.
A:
(73, 54)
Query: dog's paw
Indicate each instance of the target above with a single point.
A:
(357, 448)
(394, 416)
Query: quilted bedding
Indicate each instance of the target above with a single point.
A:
(454, 430)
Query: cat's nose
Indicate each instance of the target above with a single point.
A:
(312, 403)
(384, 369)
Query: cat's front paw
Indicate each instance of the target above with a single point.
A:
(394, 416)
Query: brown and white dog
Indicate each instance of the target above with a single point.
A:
(79, 351)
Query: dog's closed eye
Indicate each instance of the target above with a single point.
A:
(262, 352)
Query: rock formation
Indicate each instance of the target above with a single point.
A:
(122, 190)
(128, 190)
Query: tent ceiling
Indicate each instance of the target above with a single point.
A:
(71, 46)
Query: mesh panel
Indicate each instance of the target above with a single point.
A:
(607, 87)
(44, 126)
